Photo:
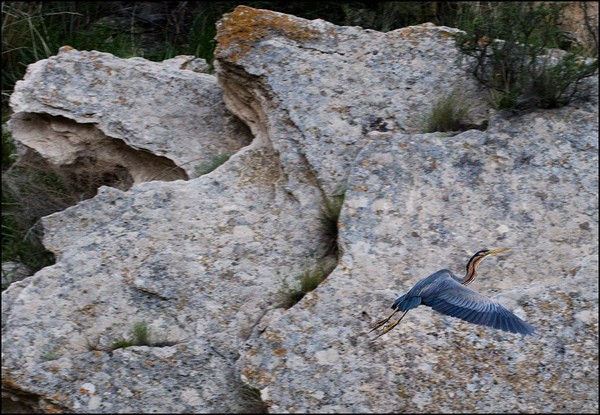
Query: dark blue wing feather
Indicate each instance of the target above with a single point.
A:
(406, 302)
(413, 298)
(450, 297)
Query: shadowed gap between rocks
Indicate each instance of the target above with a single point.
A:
(63, 162)
(83, 150)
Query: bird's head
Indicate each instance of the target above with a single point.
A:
(486, 252)
(475, 260)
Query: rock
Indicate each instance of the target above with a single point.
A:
(333, 84)
(81, 108)
(419, 203)
(203, 264)
(188, 62)
(200, 259)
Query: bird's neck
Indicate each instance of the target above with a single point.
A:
(471, 270)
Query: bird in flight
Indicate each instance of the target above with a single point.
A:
(448, 294)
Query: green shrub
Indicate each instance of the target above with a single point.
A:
(509, 42)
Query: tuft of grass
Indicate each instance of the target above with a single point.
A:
(449, 113)
(251, 401)
(215, 162)
(141, 333)
(140, 336)
(121, 343)
(308, 281)
(329, 216)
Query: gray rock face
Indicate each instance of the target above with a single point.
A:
(202, 259)
(205, 263)
(333, 84)
(420, 203)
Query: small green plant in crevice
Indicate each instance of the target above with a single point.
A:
(307, 282)
(51, 355)
(141, 333)
(140, 336)
(510, 43)
(329, 216)
(121, 343)
(449, 113)
(215, 162)
(251, 401)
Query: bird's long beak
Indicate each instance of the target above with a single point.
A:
(498, 251)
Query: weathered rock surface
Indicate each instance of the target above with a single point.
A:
(310, 82)
(199, 261)
(158, 120)
(204, 262)
(419, 203)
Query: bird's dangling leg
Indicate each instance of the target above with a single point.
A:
(382, 322)
(391, 326)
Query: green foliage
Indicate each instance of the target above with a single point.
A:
(328, 218)
(517, 69)
(140, 333)
(251, 401)
(140, 336)
(447, 114)
(36, 30)
(27, 196)
(9, 152)
(215, 162)
(31, 189)
(308, 281)
(21, 234)
(121, 343)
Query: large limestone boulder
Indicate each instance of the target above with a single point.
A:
(203, 263)
(419, 203)
(199, 262)
(155, 120)
(324, 87)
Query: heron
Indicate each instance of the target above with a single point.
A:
(448, 294)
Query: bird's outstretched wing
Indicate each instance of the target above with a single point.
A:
(456, 300)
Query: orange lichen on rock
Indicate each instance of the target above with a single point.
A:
(239, 30)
